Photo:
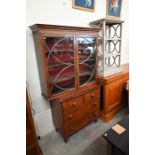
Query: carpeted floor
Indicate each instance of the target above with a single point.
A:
(87, 141)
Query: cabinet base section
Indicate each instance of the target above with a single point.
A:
(108, 116)
(66, 137)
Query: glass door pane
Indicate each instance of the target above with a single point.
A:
(86, 59)
(60, 60)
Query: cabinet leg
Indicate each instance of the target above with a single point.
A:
(56, 129)
(96, 121)
(66, 140)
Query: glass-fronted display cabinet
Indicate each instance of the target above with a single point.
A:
(61, 61)
(68, 57)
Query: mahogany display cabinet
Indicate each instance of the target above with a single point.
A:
(67, 62)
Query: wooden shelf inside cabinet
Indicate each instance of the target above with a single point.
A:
(60, 50)
(114, 95)
(66, 78)
(85, 73)
(71, 76)
(64, 60)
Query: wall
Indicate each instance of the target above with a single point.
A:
(58, 12)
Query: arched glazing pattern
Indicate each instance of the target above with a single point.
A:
(60, 60)
(86, 59)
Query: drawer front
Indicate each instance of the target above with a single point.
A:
(72, 105)
(70, 129)
(92, 95)
(81, 112)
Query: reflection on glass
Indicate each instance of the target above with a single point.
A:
(87, 59)
(60, 60)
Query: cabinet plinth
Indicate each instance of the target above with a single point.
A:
(114, 95)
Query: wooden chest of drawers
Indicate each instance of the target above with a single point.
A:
(71, 114)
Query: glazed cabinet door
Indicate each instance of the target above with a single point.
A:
(60, 57)
(86, 59)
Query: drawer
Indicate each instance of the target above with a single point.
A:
(92, 116)
(72, 105)
(81, 112)
(94, 94)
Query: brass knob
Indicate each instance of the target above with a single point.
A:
(70, 117)
(95, 104)
(92, 95)
(73, 104)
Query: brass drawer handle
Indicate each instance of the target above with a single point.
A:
(95, 104)
(70, 117)
(74, 104)
(92, 95)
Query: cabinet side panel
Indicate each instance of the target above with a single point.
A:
(57, 115)
(41, 67)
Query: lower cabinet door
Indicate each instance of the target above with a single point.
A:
(113, 95)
